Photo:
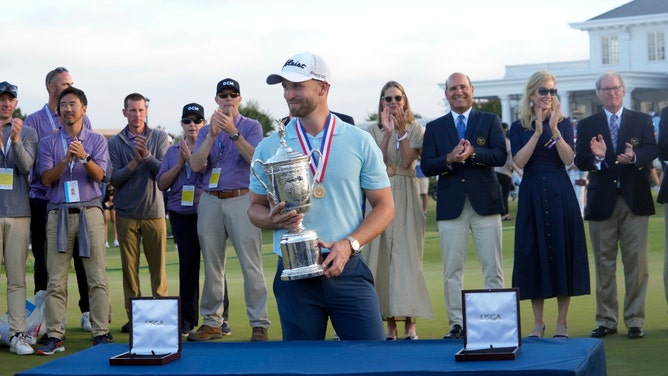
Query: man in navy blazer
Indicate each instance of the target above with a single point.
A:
(663, 192)
(619, 202)
(469, 196)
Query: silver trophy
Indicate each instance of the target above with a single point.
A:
(289, 181)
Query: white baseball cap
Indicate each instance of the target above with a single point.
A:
(302, 67)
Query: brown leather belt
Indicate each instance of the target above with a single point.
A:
(228, 194)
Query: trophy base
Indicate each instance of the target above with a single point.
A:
(302, 273)
(301, 255)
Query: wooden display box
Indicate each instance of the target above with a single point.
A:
(491, 325)
(155, 332)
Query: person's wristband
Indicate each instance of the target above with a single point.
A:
(147, 157)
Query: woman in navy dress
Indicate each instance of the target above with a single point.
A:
(550, 244)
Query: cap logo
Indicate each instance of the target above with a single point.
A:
(192, 108)
(319, 75)
(292, 63)
(228, 83)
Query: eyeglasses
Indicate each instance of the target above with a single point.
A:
(6, 87)
(546, 91)
(187, 121)
(226, 95)
(52, 74)
(608, 90)
(397, 98)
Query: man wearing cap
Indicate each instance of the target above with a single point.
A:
(136, 153)
(353, 171)
(223, 153)
(46, 121)
(18, 147)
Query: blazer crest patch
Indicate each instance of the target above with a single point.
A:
(481, 141)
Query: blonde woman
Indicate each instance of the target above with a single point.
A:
(550, 246)
(395, 257)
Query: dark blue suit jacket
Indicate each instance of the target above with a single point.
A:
(476, 176)
(663, 150)
(635, 128)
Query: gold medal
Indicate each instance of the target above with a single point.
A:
(391, 170)
(319, 191)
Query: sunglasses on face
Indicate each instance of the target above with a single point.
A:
(226, 95)
(546, 91)
(187, 121)
(397, 98)
(9, 88)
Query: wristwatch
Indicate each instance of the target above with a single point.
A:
(354, 245)
(86, 159)
(235, 136)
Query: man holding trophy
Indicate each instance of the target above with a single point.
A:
(347, 171)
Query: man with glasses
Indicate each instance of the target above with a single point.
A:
(46, 121)
(223, 154)
(72, 163)
(136, 153)
(18, 148)
(462, 148)
(615, 145)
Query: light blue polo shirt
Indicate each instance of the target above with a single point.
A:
(355, 163)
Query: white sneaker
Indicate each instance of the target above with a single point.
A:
(19, 345)
(106, 244)
(85, 322)
(115, 242)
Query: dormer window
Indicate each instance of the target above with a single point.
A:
(609, 50)
(656, 46)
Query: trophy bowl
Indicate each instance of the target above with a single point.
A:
(289, 180)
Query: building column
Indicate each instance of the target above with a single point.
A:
(506, 110)
(565, 99)
(628, 98)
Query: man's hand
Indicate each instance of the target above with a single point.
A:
(598, 147)
(17, 126)
(339, 253)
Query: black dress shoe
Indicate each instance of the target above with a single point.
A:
(602, 331)
(455, 333)
(636, 332)
(125, 328)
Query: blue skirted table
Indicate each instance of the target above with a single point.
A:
(576, 356)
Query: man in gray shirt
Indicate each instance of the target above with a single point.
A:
(18, 147)
(136, 154)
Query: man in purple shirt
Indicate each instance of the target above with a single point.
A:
(71, 164)
(46, 122)
(222, 154)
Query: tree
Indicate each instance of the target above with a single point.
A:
(252, 110)
(489, 105)
(18, 114)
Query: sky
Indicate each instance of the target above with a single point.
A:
(174, 52)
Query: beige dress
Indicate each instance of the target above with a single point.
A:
(395, 256)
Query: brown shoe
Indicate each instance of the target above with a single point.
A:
(205, 333)
(260, 334)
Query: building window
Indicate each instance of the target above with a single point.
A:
(609, 50)
(656, 46)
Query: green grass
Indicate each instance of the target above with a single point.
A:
(623, 356)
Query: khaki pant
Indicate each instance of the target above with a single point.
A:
(14, 238)
(629, 232)
(58, 266)
(152, 234)
(454, 234)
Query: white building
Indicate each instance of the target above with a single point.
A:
(630, 40)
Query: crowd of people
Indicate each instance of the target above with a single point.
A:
(369, 213)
